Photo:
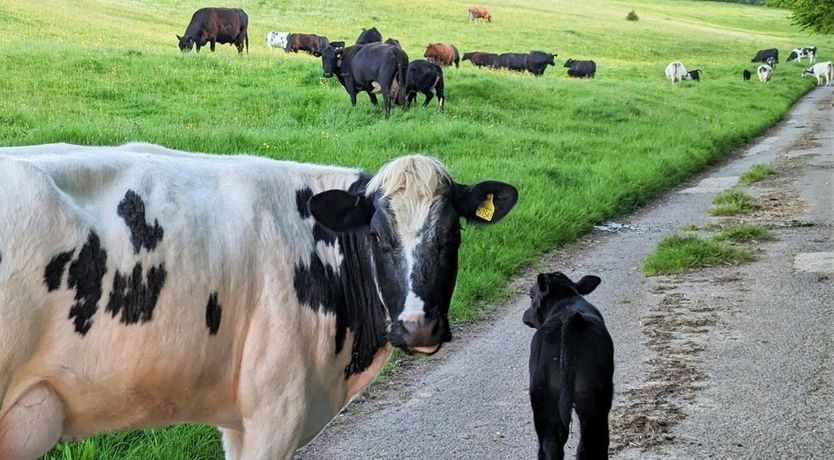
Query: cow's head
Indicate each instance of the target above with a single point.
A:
(549, 290)
(569, 63)
(331, 61)
(410, 214)
(186, 43)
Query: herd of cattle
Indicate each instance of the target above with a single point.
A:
(823, 71)
(371, 65)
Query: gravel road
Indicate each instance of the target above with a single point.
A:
(729, 362)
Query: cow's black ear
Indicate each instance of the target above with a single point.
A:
(486, 202)
(341, 211)
(543, 283)
(178, 37)
(587, 284)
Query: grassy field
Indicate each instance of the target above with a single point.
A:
(580, 151)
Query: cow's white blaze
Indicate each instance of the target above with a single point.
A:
(411, 185)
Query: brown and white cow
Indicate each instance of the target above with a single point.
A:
(480, 12)
(443, 54)
(311, 43)
(142, 286)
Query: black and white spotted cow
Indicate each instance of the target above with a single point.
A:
(141, 286)
(809, 52)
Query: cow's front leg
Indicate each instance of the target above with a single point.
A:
(211, 45)
(232, 443)
(351, 89)
(270, 439)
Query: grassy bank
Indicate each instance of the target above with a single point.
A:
(579, 151)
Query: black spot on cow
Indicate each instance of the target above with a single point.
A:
(132, 210)
(54, 270)
(85, 275)
(135, 295)
(350, 295)
(213, 312)
(302, 198)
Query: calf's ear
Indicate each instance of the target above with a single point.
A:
(178, 37)
(341, 211)
(587, 284)
(486, 202)
(543, 284)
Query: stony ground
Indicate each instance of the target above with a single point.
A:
(727, 362)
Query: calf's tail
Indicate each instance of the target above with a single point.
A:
(571, 329)
(247, 42)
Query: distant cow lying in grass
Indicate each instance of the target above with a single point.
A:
(581, 69)
(571, 366)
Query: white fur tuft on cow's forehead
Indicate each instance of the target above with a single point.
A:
(415, 176)
(410, 184)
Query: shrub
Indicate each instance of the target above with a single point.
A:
(632, 16)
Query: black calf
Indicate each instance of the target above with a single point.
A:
(571, 366)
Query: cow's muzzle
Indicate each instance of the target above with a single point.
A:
(424, 337)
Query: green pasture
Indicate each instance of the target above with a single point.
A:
(580, 151)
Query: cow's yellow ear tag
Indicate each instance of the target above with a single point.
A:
(486, 209)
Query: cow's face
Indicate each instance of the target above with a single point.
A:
(331, 61)
(410, 215)
(186, 43)
(549, 290)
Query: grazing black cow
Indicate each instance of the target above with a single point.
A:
(375, 68)
(571, 366)
(425, 77)
(537, 62)
(311, 43)
(694, 74)
(746, 75)
(480, 59)
(762, 55)
(369, 36)
(392, 41)
(216, 25)
(581, 69)
(512, 61)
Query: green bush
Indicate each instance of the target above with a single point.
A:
(632, 16)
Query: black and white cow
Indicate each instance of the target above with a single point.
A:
(809, 52)
(571, 366)
(141, 286)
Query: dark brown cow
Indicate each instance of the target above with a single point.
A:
(480, 59)
(216, 25)
(311, 43)
(444, 54)
(480, 12)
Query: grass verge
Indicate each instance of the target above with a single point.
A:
(677, 253)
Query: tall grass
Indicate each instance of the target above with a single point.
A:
(580, 151)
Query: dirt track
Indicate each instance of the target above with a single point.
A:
(729, 362)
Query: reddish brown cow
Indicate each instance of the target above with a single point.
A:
(311, 43)
(442, 54)
(479, 12)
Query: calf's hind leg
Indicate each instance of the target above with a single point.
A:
(32, 425)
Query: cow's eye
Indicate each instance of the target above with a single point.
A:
(375, 238)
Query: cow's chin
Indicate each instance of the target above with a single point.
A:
(430, 350)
